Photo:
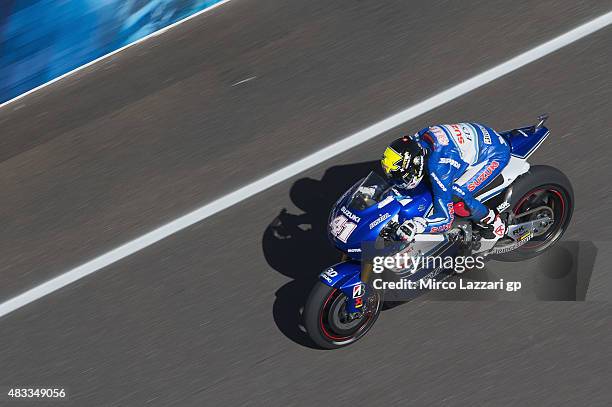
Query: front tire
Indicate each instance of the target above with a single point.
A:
(324, 317)
(541, 186)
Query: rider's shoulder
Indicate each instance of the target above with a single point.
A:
(435, 135)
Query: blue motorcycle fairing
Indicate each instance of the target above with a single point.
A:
(446, 249)
(418, 203)
(370, 221)
(345, 276)
(525, 140)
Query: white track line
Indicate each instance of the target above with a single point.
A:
(244, 81)
(305, 163)
(95, 61)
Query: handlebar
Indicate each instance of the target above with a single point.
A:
(388, 233)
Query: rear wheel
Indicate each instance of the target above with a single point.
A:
(543, 192)
(327, 321)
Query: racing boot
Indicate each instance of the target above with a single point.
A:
(491, 227)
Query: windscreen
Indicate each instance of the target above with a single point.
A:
(372, 190)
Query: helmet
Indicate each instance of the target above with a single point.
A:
(404, 162)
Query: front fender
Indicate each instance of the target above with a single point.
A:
(346, 276)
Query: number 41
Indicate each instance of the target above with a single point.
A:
(342, 228)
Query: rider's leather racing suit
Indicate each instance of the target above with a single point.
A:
(463, 158)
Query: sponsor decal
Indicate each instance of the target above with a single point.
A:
(358, 302)
(513, 246)
(485, 134)
(350, 214)
(439, 134)
(467, 131)
(379, 220)
(457, 133)
(499, 231)
(358, 290)
(458, 190)
(445, 160)
(354, 250)
(440, 184)
(451, 218)
(483, 176)
(405, 160)
(502, 206)
(329, 274)
(385, 201)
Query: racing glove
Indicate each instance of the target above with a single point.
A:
(410, 228)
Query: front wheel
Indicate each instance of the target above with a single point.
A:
(326, 319)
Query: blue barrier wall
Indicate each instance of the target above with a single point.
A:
(43, 39)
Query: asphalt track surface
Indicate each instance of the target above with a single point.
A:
(209, 316)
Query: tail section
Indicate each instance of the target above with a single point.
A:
(525, 140)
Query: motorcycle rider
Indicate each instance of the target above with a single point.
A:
(459, 160)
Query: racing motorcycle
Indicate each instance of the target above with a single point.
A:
(536, 203)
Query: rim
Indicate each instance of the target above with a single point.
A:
(333, 323)
(552, 197)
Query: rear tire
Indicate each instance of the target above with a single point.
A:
(542, 185)
(323, 314)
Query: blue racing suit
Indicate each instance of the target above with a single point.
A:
(462, 159)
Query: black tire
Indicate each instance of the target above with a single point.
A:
(541, 181)
(322, 326)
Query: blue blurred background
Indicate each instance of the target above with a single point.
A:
(43, 39)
